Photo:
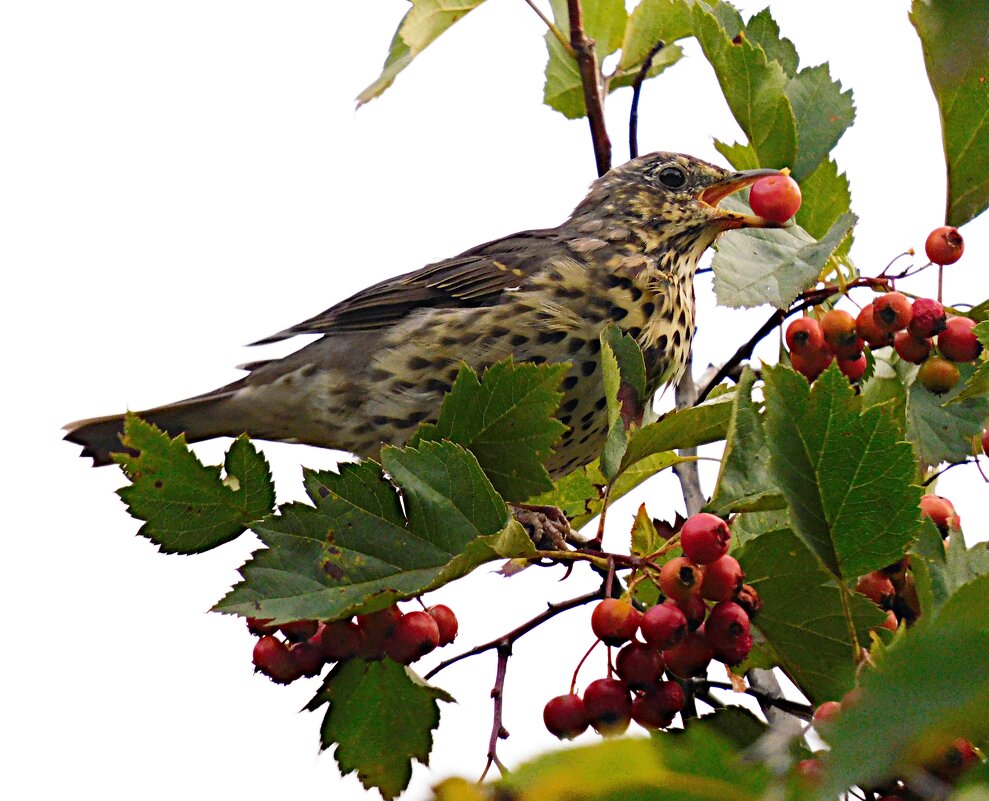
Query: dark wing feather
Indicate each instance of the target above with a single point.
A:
(476, 277)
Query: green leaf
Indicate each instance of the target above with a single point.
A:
(803, 617)
(826, 196)
(425, 21)
(357, 550)
(929, 689)
(758, 266)
(744, 483)
(763, 30)
(572, 493)
(749, 525)
(941, 429)
(645, 538)
(953, 34)
(653, 21)
(604, 22)
(506, 420)
(754, 88)
(845, 473)
(964, 564)
(823, 113)
(968, 605)
(624, 376)
(187, 507)
(381, 718)
(741, 157)
(977, 383)
(927, 563)
(885, 391)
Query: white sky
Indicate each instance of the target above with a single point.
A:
(181, 178)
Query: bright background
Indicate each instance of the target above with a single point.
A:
(182, 178)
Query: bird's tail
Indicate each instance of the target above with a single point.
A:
(198, 418)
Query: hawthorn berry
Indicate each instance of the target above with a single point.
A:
(447, 622)
(944, 245)
(775, 197)
(271, 657)
(853, 369)
(680, 578)
(892, 312)
(941, 512)
(827, 712)
(736, 652)
(664, 625)
(809, 772)
(804, 336)
(639, 665)
(608, 706)
(658, 705)
(726, 623)
(892, 622)
(308, 657)
(958, 341)
(260, 626)
(690, 657)
(415, 635)
(865, 324)
(953, 761)
(722, 579)
(299, 630)
(877, 587)
(811, 365)
(614, 621)
(938, 375)
(338, 640)
(912, 348)
(376, 628)
(928, 318)
(749, 600)
(840, 332)
(565, 717)
(694, 609)
(704, 537)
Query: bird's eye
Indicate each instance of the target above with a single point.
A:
(672, 177)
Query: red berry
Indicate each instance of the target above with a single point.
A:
(911, 348)
(308, 657)
(809, 772)
(338, 640)
(813, 364)
(376, 628)
(658, 705)
(804, 336)
(447, 622)
(866, 326)
(272, 658)
(299, 630)
(565, 717)
(690, 657)
(775, 197)
(722, 579)
(664, 625)
(415, 635)
(892, 312)
(704, 537)
(891, 622)
(953, 761)
(944, 245)
(259, 626)
(941, 511)
(853, 369)
(749, 600)
(827, 712)
(614, 621)
(736, 652)
(877, 587)
(938, 375)
(958, 341)
(985, 442)
(680, 578)
(608, 705)
(639, 665)
(726, 624)
(928, 318)
(694, 609)
(840, 332)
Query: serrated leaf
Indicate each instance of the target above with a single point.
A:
(931, 688)
(826, 196)
(763, 30)
(624, 376)
(885, 391)
(941, 429)
(654, 21)
(749, 525)
(506, 420)
(968, 605)
(741, 157)
(380, 718)
(758, 266)
(954, 34)
(978, 383)
(823, 113)
(845, 473)
(744, 483)
(645, 539)
(630, 478)
(927, 563)
(358, 550)
(803, 617)
(964, 564)
(573, 493)
(425, 21)
(187, 507)
(754, 88)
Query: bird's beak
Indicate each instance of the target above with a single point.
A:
(713, 194)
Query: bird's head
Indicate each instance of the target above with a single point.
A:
(669, 202)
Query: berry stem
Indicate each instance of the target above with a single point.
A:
(580, 664)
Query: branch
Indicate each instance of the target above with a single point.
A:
(498, 730)
(590, 78)
(552, 28)
(686, 471)
(766, 696)
(633, 114)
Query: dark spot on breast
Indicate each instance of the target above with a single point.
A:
(547, 337)
(498, 331)
(601, 404)
(418, 363)
(570, 382)
(636, 294)
(634, 332)
(379, 420)
(588, 417)
(575, 344)
(536, 359)
(616, 312)
(648, 308)
(570, 405)
(588, 368)
(611, 281)
(662, 343)
(677, 339)
(363, 428)
(435, 385)
(518, 339)
(683, 318)
(411, 420)
(568, 293)
(585, 438)
(594, 345)
(308, 371)
(566, 419)
(449, 341)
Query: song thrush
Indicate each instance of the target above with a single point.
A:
(387, 355)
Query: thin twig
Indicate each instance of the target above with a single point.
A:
(686, 471)
(769, 698)
(553, 29)
(590, 78)
(934, 476)
(633, 114)
(515, 634)
(498, 731)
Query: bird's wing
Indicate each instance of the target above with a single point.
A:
(477, 277)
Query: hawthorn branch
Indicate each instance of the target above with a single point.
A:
(498, 730)
(590, 78)
(768, 697)
(633, 114)
(686, 471)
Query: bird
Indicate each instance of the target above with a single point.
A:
(386, 356)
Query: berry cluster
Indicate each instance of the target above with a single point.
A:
(307, 646)
(705, 616)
